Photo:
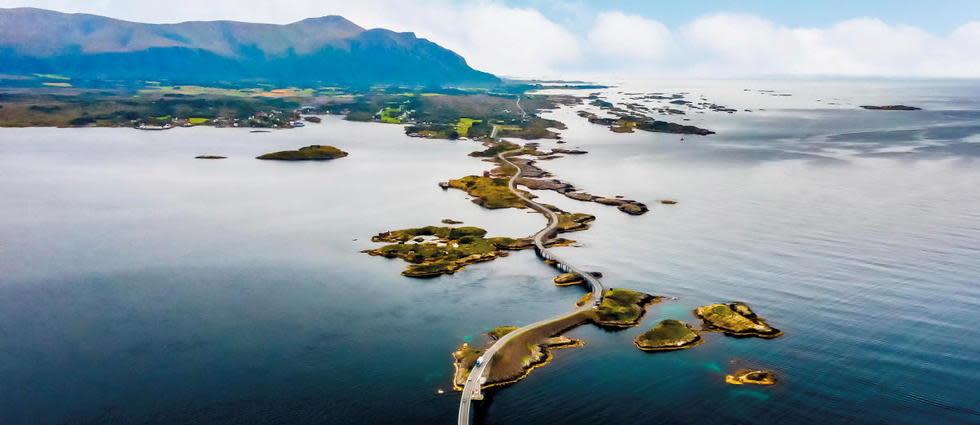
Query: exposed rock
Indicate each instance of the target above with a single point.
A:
(545, 184)
(579, 196)
(750, 376)
(633, 208)
(568, 279)
(735, 319)
(891, 108)
(569, 151)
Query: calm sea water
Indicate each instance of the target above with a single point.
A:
(141, 286)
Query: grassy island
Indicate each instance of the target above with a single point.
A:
(735, 319)
(496, 148)
(435, 250)
(620, 308)
(490, 192)
(668, 335)
(749, 376)
(573, 222)
(309, 153)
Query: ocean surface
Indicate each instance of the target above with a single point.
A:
(141, 286)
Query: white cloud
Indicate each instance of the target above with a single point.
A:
(745, 45)
(629, 37)
(508, 41)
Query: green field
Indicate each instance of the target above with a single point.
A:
(464, 124)
(392, 115)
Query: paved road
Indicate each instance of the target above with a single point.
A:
(524, 114)
(477, 375)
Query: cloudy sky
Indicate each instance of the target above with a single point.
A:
(630, 38)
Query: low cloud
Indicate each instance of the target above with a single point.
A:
(629, 38)
(745, 45)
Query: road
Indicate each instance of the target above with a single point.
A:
(477, 375)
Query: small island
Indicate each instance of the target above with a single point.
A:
(750, 376)
(435, 251)
(210, 157)
(489, 192)
(568, 279)
(668, 335)
(620, 308)
(309, 153)
(735, 319)
(891, 108)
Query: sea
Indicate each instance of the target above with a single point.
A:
(139, 285)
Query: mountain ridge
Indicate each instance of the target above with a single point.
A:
(329, 49)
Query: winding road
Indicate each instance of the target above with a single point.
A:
(478, 374)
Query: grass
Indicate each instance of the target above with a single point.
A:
(309, 153)
(464, 124)
(490, 192)
(451, 233)
(535, 128)
(620, 307)
(574, 222)
(497, 333)
(492, 151)
(392, 115)
(198, 121)
(453, 249)
(668, 335)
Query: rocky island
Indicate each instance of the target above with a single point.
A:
(750, 376)
(735, 319)
(668, 335)
(309, 153)
(891, 108)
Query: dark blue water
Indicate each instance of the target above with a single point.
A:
(139, 286)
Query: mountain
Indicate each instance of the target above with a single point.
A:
(326, 50)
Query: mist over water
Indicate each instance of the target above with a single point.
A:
(138, 285)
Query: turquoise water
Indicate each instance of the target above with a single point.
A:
(138, 285)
